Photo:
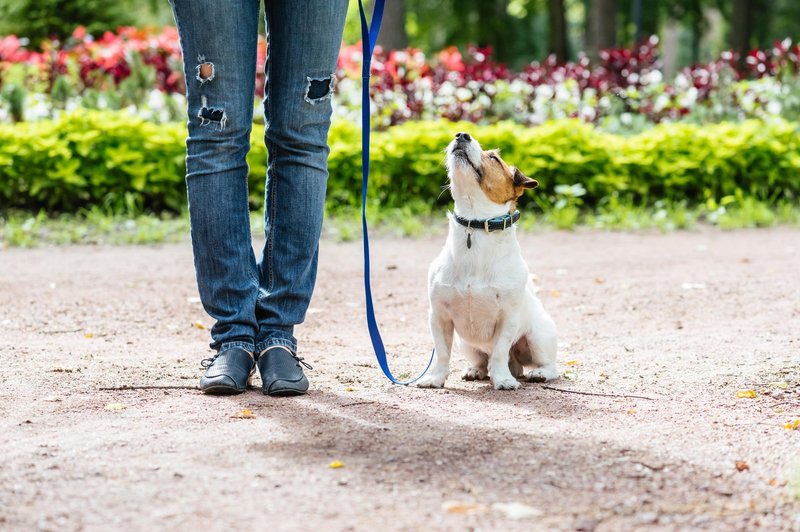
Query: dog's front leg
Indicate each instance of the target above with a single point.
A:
(499, 372)
(442, 332)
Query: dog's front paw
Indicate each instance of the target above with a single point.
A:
(543, 374)
(505, 383)
(475, 374)
(431, 381)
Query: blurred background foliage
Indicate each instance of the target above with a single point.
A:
(518, 31)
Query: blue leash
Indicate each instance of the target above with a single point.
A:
(369, 35)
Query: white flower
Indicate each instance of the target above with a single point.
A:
(652, 78)
(661, 103)
(774, 108)
(688, 98)
(463, 94)
(682, 82)
(544, 91)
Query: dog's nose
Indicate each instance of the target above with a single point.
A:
(463, 136)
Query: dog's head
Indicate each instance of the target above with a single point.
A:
(473, 171)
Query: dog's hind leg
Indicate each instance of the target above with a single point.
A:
(442, 332)
(542, 341)
(479, 363)
(517, 357)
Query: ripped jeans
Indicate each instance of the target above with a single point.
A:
(256, 302)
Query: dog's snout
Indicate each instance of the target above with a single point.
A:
(463, 137)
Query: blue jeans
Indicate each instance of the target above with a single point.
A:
(257, 302)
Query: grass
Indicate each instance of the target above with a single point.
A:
(96, 226)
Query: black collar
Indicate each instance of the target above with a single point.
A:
(498, 223)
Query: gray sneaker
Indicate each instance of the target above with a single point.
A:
(227, 372)
(282, 372)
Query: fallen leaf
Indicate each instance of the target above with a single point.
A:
(599, 280)
(744, 260)
(348, 389)
(603, 376)
(782, 385)
(244, 414)
(116, 406)
(741, 465)
(792, 425)
(630, 411)
(572, 362)
(570, 375)
(88, 335)
(336, 464)
(746, 394)
(199, 325)
(516, 510)
(555, 293)
(456, 507)
(772, 482)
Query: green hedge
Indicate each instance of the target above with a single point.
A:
(122, 162)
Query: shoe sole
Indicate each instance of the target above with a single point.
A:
(284, 392)
(222, 390)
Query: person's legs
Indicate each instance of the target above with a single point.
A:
(218, 40)
(304, 37)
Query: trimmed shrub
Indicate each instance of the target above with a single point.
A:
(119, 161)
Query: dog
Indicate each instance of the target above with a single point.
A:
(479, 286)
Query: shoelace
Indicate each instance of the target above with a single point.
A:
(301, 361)
(208, 362)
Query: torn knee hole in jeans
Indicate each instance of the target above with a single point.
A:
(319, 89)
(205, 70)
(207, 114)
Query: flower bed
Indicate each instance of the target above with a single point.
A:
(625, 91)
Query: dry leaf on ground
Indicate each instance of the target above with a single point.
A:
(116, 406)
(741, 465)
(746, 394)
(792, 425)
(244, 414)
(336, 464)
(456, 507)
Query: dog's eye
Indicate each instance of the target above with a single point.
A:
(494, 157)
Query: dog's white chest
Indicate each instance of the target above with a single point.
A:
(478, 289)
(476, 310)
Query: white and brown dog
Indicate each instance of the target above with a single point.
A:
(479, 286)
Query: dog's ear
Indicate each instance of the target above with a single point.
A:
(521, 180)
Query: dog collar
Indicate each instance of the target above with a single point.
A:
(498, 223)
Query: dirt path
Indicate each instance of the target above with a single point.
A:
(686, 319)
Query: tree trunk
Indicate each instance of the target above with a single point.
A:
(602, 26)
(741, 28)
(393, 34)
(558, 31)
(493, 28)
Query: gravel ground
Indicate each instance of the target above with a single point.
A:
(663, 328)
